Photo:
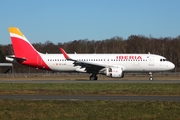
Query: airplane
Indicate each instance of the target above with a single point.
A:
(111, 65)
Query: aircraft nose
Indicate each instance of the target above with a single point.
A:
(171, 66)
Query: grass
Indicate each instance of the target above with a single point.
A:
(88, 110)
(91, 89)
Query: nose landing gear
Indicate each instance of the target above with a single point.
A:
(151, 76)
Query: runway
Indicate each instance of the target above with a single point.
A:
(88, 81)
(105, 98)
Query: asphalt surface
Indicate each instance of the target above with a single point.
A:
(106, 98)
(88, 81)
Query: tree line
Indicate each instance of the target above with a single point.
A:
(165, 46)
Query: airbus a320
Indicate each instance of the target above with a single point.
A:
(111, 65)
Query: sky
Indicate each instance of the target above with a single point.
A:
(68, 20)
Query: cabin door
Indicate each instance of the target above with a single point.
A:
(39, 60)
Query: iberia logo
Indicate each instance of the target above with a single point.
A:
(129, 57)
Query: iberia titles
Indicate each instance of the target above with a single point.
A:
(129, 57)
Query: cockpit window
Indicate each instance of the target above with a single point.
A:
(163, 60)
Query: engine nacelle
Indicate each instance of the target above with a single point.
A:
(114, 72)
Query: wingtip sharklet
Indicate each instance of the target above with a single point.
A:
(64, 53)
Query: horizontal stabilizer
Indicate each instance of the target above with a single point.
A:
(12, 58)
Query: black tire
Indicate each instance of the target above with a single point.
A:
(96, 78)
(93, 78)
(151, 78)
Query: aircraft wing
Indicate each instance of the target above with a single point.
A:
(90, 67)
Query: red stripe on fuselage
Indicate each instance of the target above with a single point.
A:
(22, 49)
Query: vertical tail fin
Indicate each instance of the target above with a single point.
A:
(24, 52)
(21, 46)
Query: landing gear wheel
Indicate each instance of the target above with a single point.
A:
(93, 77)
(151, 76)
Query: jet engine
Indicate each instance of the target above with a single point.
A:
(114, 72)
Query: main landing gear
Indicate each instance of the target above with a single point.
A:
(93, 77)
(151, 76)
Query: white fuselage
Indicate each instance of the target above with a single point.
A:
(129, 62)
